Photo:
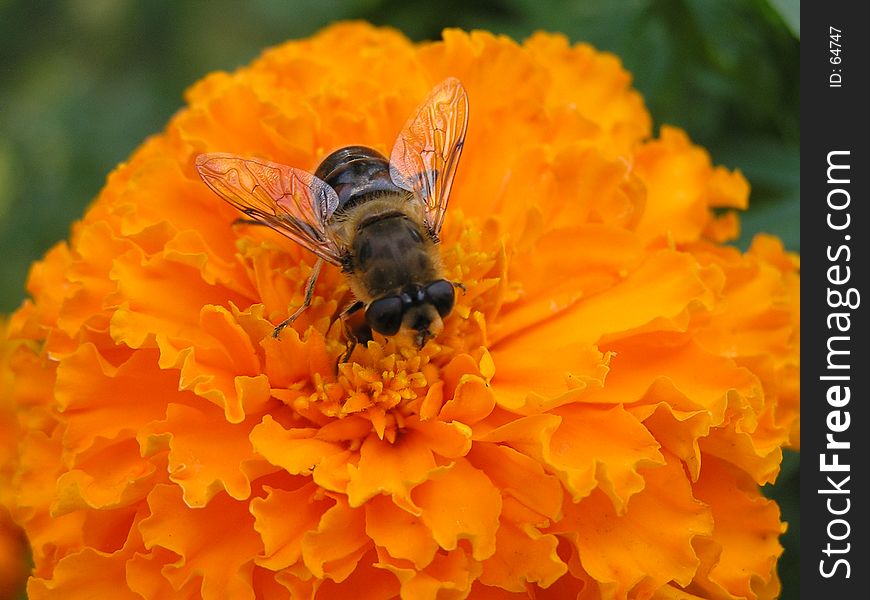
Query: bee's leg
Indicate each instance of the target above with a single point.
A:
(422, 337)
(306, 302)
(361, 334)
(458, 284)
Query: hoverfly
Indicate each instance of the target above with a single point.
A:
(377, 219)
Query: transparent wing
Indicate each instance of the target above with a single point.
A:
(293, 202)
(426, 153)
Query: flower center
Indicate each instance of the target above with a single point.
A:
(389, 379)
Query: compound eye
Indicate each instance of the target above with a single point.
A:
(441, 294)
(384, 315)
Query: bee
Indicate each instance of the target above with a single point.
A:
(377, 219)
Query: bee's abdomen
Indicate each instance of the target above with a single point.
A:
(356, 173)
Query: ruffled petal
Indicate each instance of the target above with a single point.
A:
(739, 558)
(296, 450)
(111, 474)
(460, 502)
(216, 542)
(585, 446)
(649, 545)
(282, 518)
(86, 574)
(100, 400)
(207, 455)
(521, 478)
(367, 582)
(449, 575)
(393, 469)
(524, 556)
(682, 185)
(402, 534)
(333, 549)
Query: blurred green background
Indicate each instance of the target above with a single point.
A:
(83, 82)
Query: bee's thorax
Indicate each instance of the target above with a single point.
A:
(356, 173)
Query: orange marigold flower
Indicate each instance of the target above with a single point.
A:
(594, 420)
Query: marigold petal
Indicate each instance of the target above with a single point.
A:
(254, 395)
(367, 582)
(50, 538)
(282, 358)
(728, 189)
(529, 435)
(678, 431)
(212, 368)
(431, 404)
(145, 576)
(190, 247)
(555, 381)
(741, 560)
(748, 326)
(486, 592)
(98, 569)
(763, 336)
(751, 442)
(86, 574)
(673, 592)
(668, 282)
(702, 379)
(575, 584)
(32, 381)
(100, 400)
(604, 188)
(524, 556)
(96, 247)
(267, 585)
(145, 314)
(282, 518)
(607, 96)
(520, 477)
(593, 443)
(333, 549)
(294, 450)
(448, 576)
(45, 281)
(394, 469)
(445, 439)
(111, 474)
(216, 542)
(402, 534)
(471, 397)
(681, 186)
(346, 429)
(586, 448)
(650, 544)
(723, 228)
(207, 454)
(232, 345)
(460, 502)
(610, 253)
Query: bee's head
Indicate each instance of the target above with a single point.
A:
(417, 309)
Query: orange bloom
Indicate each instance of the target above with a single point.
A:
(594, 420)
